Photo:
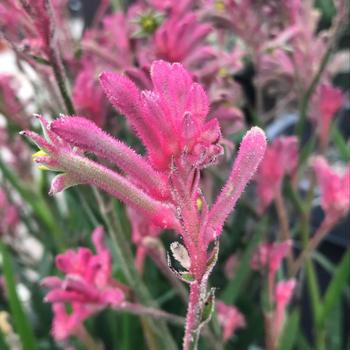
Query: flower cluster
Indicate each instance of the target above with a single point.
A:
(87, 286)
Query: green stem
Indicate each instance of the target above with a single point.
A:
(339, 26)
(126, 260)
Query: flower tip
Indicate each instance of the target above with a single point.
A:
(257, 133)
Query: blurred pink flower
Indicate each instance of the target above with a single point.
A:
(335, 189)
(9, 214)
(109, 45)
(325, 103)
(10, 105)
(181, 39)
(270, 256)
(88, 278)
(87, 285)
(283, 294)
(141, 230)
(230, 319)
(88, 97)
(231, 265)
(281, 158)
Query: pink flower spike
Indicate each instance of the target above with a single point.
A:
(283, 294)
(324, 104)
(335, 189)
(125, 97)
(270, 255)
(87, 135)
(170, 119)
(250, 154)
(81, 170)
(281, 158)
(230, 319)
(65, 325)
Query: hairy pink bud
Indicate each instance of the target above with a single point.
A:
(250, 154)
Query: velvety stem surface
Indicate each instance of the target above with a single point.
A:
(191, 337)
(138, 309)
(313, 243)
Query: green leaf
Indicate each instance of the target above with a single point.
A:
(21, 322)
(290, 331)
(340, 143)
(335, 288)
(3, 344)
(234, 287)
(37, 203)
(209, 306)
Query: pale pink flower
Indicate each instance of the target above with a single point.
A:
(87, 286)
(10, 105)
(230, 319)
(325, 103)
(141, 230)
(64, 324)
(88, 97)
(9, 214)
(231, 265)
(264, 22)
(270, 256)
(283, 294)
(181, 39)
(88, 278)
(173, 7)
(335, 189)
(109, 44)
(281, 159)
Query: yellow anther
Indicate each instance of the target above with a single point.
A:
(40, 153)
(219, 6)
(199, 203)
(43, 167)
(223, 72)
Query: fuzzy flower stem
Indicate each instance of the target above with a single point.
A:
(270, 341)
(126, 260)
(312, 245)
(283, 219)
(138, 309)
(191, 337)
(305, 100)
(87, 340)
(56, 62)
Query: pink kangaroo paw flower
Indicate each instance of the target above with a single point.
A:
(250, 154)
(78, 169)
(87, 135)
(283, 295)
(61, 182)
(230, 319)
(126, 98)
(334, 187)
(84, 170)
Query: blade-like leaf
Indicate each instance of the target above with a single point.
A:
(335, 289)
(290, 331)
(231, 292)
(21, 322)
